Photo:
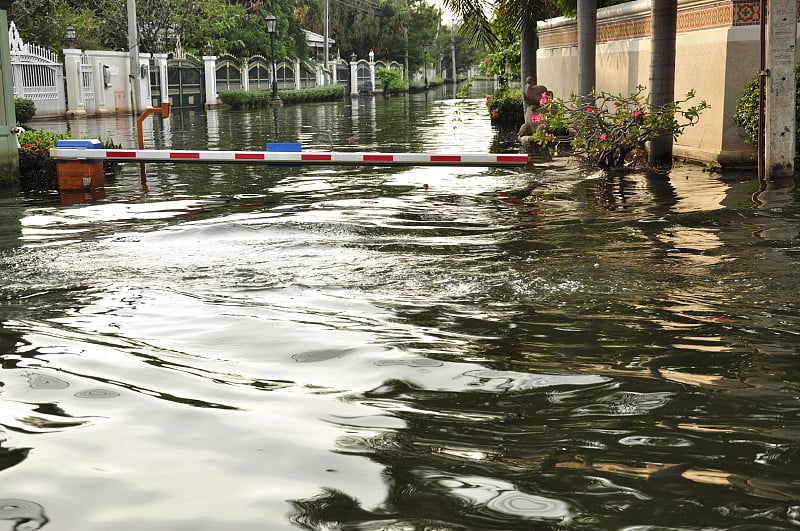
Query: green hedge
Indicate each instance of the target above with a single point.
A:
(261, 98)
(506, 110)
(24, 109)
(37, 170)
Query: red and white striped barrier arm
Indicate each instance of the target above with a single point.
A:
(272, 157)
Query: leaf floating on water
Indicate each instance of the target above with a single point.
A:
(412, 362)
(41, 381)
(312, 356)
(43, 423)
(97, 393)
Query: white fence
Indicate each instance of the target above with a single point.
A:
(37, 75)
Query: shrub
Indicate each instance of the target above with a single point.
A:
(24, 110)
(37, 170)
(506, 108)
(260, 98)
(606, 127)
(391, 82)
(746, 115)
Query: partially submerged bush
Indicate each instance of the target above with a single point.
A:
(746, 115)
(606, 128)
(391, 81)
(37, 170)
(239, 99)
(24, 110)
(506, 108)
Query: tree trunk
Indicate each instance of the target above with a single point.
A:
(528, 44)
(587, 41)
(663, 23)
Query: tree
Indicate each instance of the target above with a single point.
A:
(587, 43)
(519, 16)
(663, 21)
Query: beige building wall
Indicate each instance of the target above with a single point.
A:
(717, 53)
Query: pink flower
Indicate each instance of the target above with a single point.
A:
(588, 109)
(536, 118)
(602, 136)
(636, 114)
(544, 100)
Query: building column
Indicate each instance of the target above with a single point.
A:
(297, 82)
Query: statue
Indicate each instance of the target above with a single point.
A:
(532, 97)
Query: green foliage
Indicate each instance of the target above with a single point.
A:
(24, 110)
(391, 81)
(260, 98)
(37, 170)
(746, 114)
(505, 108)
(606, 128)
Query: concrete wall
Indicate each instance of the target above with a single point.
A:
(111, 82)
(717, 53)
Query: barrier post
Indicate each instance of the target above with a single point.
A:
(79, 180)
(164, 111)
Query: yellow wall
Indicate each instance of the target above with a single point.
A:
(716, 55)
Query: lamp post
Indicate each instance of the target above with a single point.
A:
(271, 23)
(71, 37)
(425, 63)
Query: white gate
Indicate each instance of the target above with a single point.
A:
(37, 75)
(87, 84)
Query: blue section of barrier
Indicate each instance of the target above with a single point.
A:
(79, 144)
(284, 147)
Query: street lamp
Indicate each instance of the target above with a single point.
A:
(425, 63)
(271, 22)
(71, 36)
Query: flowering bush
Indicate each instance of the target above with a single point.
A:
(606, 128)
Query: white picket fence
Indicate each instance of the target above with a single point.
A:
(37, 75)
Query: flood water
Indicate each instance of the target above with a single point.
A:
(369, 348)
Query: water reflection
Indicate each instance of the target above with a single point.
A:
(400, 348)
(26, 515)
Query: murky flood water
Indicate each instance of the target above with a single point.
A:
(252, 347)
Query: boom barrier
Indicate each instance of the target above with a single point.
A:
(276, 157)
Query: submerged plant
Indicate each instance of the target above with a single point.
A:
(607, 128)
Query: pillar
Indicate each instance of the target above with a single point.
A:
(245, 75)
(9, 153)
(372, 68)
(297, 84)
(353, 77)
(210, 65)
(72, 67)
(780, 133)
(161, 64)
